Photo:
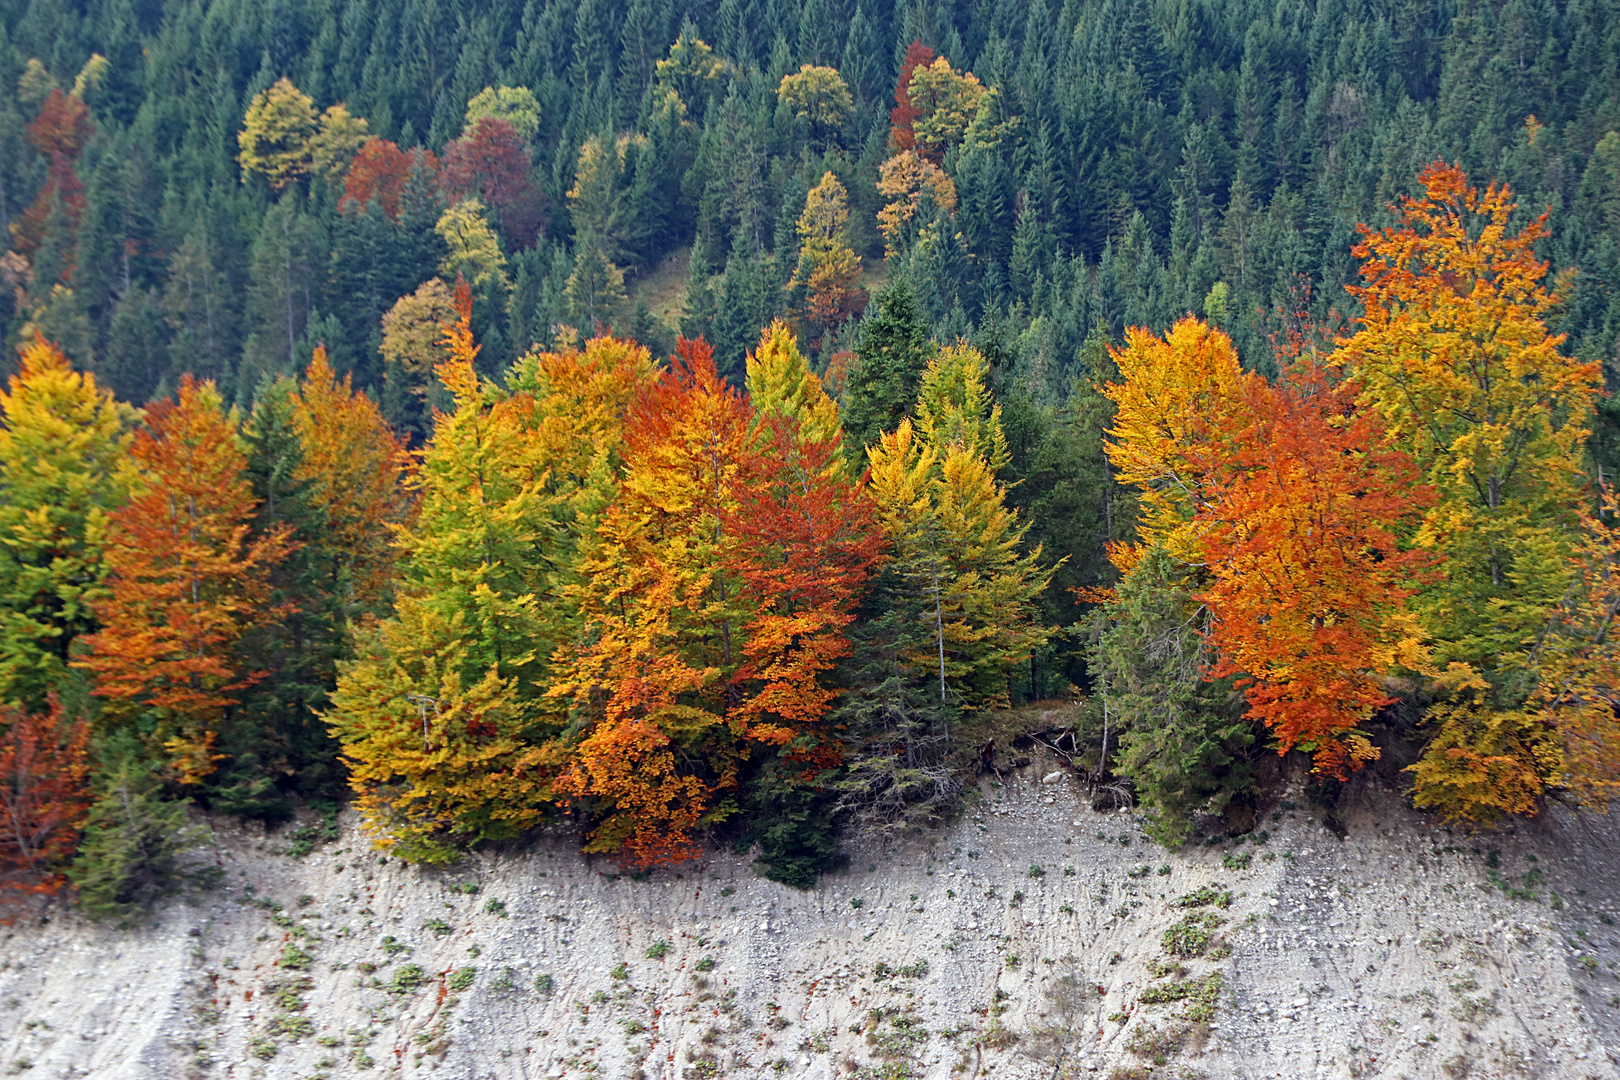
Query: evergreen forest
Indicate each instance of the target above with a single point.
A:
(688, 422)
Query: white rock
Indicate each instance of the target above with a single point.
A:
(1052, 777)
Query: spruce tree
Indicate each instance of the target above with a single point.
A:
(883, 380)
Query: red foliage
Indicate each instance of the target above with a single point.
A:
(806, 545)
(381, 170)
(60, 132)
(492, 162)
(43, 797)
(904, 113)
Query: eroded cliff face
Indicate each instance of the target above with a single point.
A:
(1035, 938)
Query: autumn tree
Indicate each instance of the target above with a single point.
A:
(826, 283)
(187, 579)
(514, 104)
(905, 112)
(61, 448)
(443, 714)
(665, 623)
(60, 133)
(474, 249)
(807, 545)
(359, 472)
(818, 96)
(1308, 576)
(339, 136)
(1577, 668)
(43, 796)
(380, 170)
(955, 547)
(807, 549)
(946, 102)
(907, 181)
(276, 133)
(329, 473)
(411, 332)
(491, 162)
(1178, 401)
(1454, 352)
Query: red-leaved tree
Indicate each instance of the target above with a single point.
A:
(806, 544)
(904, 114)
(491, 161)
(43, 797)
(380, 171)
(60, 133)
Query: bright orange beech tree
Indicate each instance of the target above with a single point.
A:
(187, 578)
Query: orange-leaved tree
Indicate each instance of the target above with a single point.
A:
(1301, 537)
(358, 470)
(664, 622)
(1454, 351)
(808, 544)
(43, 796)
(187, 579)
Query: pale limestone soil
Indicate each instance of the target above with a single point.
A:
(1387, 954)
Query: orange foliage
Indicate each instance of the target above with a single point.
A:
(808, 542)
(358, 470)
(1300, 534)
(664, 620)
(187, 579)
(380, 171)
(43, 797)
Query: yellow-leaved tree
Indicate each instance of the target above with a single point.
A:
(1455, 353)
(443, 714)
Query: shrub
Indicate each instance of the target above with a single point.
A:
(1191, 935)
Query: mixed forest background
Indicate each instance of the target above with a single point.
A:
(1021, 353)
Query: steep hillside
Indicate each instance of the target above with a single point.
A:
(1030, 940)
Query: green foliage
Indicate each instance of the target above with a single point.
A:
(134, 848)
(1182, 739)
(1192, 934)
(886, 374)
(60, 446)
(792, 820)
(407, 978)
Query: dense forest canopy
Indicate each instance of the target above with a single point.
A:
(723, 415)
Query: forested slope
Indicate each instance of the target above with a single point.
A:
(1230, 377)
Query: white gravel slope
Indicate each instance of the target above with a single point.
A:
(1390, 953)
